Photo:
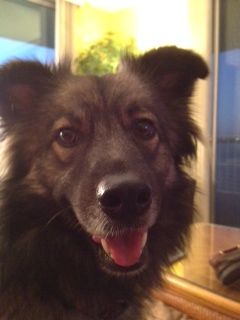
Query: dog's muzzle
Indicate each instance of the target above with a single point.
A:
(124, 198)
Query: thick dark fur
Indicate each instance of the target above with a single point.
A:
(64, 135)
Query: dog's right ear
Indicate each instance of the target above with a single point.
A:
(171, 70)
(21, 83)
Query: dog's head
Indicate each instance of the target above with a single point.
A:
(109, 150)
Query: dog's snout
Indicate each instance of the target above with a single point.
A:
(124, 194)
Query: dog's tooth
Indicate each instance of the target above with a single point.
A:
(144, 239)
(105, 246)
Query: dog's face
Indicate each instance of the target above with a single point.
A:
(109, 150)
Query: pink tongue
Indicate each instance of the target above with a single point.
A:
(126, 249)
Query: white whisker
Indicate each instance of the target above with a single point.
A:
(56, 215)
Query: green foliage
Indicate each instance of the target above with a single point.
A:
(102, 56)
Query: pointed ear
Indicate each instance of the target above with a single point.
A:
(21, 83)
(173, 71)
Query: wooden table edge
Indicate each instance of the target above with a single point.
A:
(201, 296)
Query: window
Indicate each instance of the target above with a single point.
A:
(227, 170)
(27, 30)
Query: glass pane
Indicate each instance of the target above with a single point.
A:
(227, 193)
(26, 31)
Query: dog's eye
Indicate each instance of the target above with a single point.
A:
(145, 129)
(67, 137)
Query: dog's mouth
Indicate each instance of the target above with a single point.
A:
(124, 249)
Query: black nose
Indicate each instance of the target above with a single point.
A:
(124, 194)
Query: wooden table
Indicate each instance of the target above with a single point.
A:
(191, 285)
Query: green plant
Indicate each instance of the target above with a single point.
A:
(102, 56)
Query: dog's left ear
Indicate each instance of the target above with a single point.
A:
(21, 82)
(173, 71)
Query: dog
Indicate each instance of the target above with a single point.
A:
(95, 198)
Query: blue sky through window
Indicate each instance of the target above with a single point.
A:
(12, 49)
(228, 93)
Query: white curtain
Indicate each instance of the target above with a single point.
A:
(200, 25)
(65, 29)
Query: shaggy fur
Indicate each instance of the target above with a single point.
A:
(87, 160)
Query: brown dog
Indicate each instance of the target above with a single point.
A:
(94, 197)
